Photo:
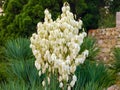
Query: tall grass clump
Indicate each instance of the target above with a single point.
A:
(18, 49)
(3, 65)
(21, 70)
(90, 44)
(14, 85)
(24, 71)
(93, 75)
(116, 64)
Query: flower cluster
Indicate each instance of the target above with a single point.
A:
(56, 46)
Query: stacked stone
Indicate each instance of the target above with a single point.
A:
(117, 19)
(107, 39)
(118, 37)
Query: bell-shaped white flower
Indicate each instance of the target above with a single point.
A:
(56, 46)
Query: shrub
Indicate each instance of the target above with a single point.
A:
(3, 65)
(114, 6)
(21, 16)
(21, 69)
(92, 75)
(90, 44)
(18, 49)
(107, 21)
(14, 85)
(24, 76)
(93, 86)
(116, 65)
(24, 71)
(3, 73)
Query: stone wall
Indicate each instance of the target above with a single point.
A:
(107, 39)
(117, 19)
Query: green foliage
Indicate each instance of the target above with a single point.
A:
(89, 43)
(116, 65)
(92, 86)
(2, 56)
(107, 20)
(3, 65)
(24, 71)
(92, 75)
(92, 14)
(22, 16)
(18, 49)
(3, 73)
(90, 21)
(14, 50)
(24, 76)
(114, 6)
(21, 71)
(12, 85)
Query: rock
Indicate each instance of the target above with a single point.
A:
(117, 46)
(107, 39)
(100, 42)
(114, 87)
(105, 50)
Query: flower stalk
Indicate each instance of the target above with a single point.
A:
(56, 46)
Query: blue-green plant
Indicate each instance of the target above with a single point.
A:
(93, 86)
(25, 76)
(3, 73)
(24, 71)
(93, 74)
(90, 44)
(14, 85)
(116, 64)
(18, 49)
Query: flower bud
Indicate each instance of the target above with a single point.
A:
(61, 85)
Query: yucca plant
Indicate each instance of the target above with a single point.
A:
(2, 56)
(17, 85)
(24, 71)
(3, 65)
(3, 73)
(14, 85)
(93, 74)
(116, 64)
(21, 66)
(18, 49)
(93, 86)
(90, 44)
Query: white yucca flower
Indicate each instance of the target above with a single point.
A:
(56, 46)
